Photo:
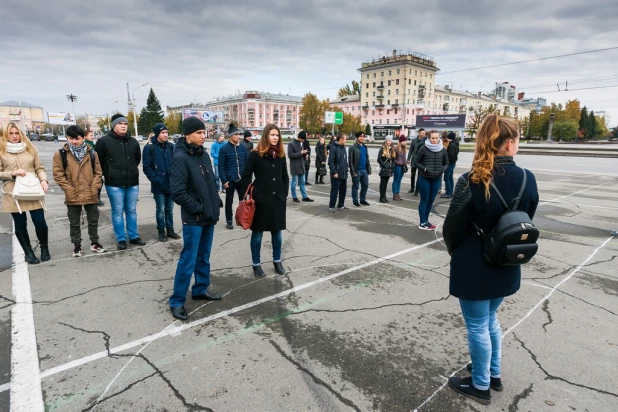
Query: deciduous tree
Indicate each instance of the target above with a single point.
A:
(349, 91)
(312, 113)
(566, 130)
(173, 122)
(477, 116)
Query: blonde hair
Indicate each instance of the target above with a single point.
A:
(493, 133)
(4, 138)
(388, 151)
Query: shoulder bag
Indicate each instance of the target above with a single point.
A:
(246, 209)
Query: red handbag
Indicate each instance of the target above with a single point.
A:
(246, 210)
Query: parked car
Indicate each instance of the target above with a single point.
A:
(34, 137)
(139, 138)
(62, 138)
(48, 137)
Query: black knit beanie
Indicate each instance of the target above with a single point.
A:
(192, 125)
(248, 134)
(302, 135)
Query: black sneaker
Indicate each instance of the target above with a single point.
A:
(308, 184)
(411, 191)
(331, 210)
(122, 245)
(364, 203)
(356, 204)
(342, 208)
(306, 199)
(295, 200)
(137, 241)
(229, 225)
(77, 251)
(464, 386)
(494, 383)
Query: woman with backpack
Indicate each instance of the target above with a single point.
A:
(270, 191)
(386, 160)
(431, 162)
(17, 157)
(481, 286)
(321, 154)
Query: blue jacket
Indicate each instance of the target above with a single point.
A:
(157, 161)
(232, 161)
(214, 152)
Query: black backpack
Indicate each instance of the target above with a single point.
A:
(513, 239)
(63, 156)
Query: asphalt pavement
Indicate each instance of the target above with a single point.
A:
(362, 321)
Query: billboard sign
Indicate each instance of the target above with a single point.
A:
(333, 117)
(61, 118)
(207, 116)
(452, 121)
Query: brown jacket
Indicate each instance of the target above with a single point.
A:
(8, 164)
(80, 185)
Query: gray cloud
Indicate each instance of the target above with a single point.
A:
(195, 49)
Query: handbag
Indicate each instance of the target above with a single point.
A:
(405, 169)
(27, 187)
(322, 171)
(246, 209)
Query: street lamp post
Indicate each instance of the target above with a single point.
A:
(107, 115)
(551, 126)
(133, 104)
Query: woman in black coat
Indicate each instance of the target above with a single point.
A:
(386, 160)
(480, 285)
(270, 190)
(431, 162)
(320, 161)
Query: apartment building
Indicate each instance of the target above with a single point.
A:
(30, 117)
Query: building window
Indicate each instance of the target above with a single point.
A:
(367, 94)
(409, 81)
(415, 92)
(430, 76)
(367, 75)
(389, 82)
(374, 75)
(388, 112)
(396, 102)
(396, 91)
(367, 86)
(389, 72)
(388, 102)
(415, 82)
(425, 75)
(381, 74)
(408, 101)
(398, 71)
(372, 121)
(407, 111)
(389, 92)
(373, 112)
(396, 81)
(380, 121)
(415, 72)
(408, 91)
(388, 121)
(373, 103)
(359, 107)
(374, 94)
(374, 85)
(395, 121)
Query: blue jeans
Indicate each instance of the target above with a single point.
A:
(123, 201)
(449, 182)
(256, 246)
(361, 178)
(484, 339)
(165, 210)
(217, 181)
(428, 190)
(194, 259)
(301, 183)
(397, 177)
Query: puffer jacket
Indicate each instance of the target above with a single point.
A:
(338, 162)
(193, 185)
(431, 165)
(415, 145)
(157, 166)
(9, 162)
(119, 157)
(214, 153)
(79, 182)
(232, 161)
(452, 151)
(387, 164)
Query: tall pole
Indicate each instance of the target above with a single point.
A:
(107, 114)
(551, 126)
(133, 104)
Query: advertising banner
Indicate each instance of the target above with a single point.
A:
(208, 116)
(441, 121)
(333, 117)
(61, 118)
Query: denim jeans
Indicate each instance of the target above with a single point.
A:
(123, 201)
(21, 220)
(428, 189)
(301, 182)
(256, 246)
(194, 259)
(217, 180)
(307, 172)
(337, 187)
(397, 177)
(449, 182)
(361, 178)
(165, 210)
(484, 339)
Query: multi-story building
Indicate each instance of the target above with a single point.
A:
(349, 104)
(505, 91)
(29, 116)
(395, 87)
(536, 103)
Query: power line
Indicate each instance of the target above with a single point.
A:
(573, 90)
(531, 60)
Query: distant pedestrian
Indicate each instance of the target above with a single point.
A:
(232, 159)
(360, 169)
(321, 155)
(338, 165)
(270, 190)
(431, 162)
(193, 188)
(214, 153)
(157, 164)
(120, 156)
(78, 172)
(386, 160)
(18, 156)
(452, 150)
(247, 140)
(298, 164)
(401, 164)
(307, 147)
(480, 285)
(90, 142)
(415, 144)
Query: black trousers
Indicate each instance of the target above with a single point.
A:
(229, 198)
(413, 178)
(37, 216)
(383, 185)
(337, 187)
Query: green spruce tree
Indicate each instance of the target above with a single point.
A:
(150, 115)
(592, 124)
(584, 124)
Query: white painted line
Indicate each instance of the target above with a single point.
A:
(166, 331)
(512, 328)
(26, 393)
(537, 285)
(565, 196)
(580, 204)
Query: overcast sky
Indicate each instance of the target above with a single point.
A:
(196, 50)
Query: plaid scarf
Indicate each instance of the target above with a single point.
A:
(79, 151)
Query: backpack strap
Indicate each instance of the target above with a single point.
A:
(515, 202)
(152, 156)
(92, 160)
(63, 156)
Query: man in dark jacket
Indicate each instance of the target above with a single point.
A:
(307, 147)
(452, 152)
(246, 141)
(338, 165)
(415, 144)
(360, 169)
(120, 155)
(157, 165)
(232, 159)
(298, 165)
(193, 188)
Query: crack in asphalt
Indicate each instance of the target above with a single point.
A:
(120, 392)
(315, 379)
(106, 336)
(602, 261)
(548, 376)
(549, 318)
(233, 240)
(523, 395)
(583, 300)
(372, 308)
(7, 299)
(148, 258)
(564, 272)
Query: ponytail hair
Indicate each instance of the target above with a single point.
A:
(493, 133)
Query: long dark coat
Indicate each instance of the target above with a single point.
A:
(271, 186)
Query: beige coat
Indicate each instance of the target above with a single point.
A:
(80, 185)
(10, 162)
